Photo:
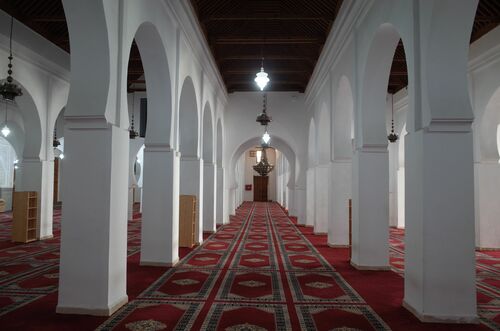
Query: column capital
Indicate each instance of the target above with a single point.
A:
(373, 148)
(74, 122)
(157, 148)
(450, 125)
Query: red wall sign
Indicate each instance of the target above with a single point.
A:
(248, 187)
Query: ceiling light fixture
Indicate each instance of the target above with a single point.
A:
(263, 168)
(55, 142)
(8, 90)
(262, 77)
(392, 137)
(5, 129)
(266, 138)
(132, 133)
(263, 118)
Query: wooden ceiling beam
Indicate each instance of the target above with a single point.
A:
(49, 19)
(267, 41)
(265, 18)
(399, 73)
(269, 71)
(487, 19)
(245, 82)
(247, 57)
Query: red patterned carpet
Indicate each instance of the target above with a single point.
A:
(260, 272)
(487, 273)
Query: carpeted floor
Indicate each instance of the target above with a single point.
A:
(487, 273)
(260, 272)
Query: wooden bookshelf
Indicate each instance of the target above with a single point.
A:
(187, 218)
(25, 217)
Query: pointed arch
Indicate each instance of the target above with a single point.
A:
(208, 136)
(158, 85)
(188, 120)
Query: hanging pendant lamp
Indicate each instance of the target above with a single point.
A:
(8, 90)
(263, 168)
(262, 77)
(55, 143)
(132, 132)
(266, 139)
(392, 137)
(5, 130)
(263, 118)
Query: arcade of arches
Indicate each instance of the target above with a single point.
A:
(349, 231)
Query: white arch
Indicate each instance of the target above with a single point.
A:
(158, 85)
(31, 123)
(323, 136)
(188, 120)
(311, 143)
(208, 136)
(219, 144)
(371, 126)
(343, 120)
(488, 129)
(276, 142)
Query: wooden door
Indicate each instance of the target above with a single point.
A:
(260, 188)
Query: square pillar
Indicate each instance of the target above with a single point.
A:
(440, 274)
(487, 187)
(93, 265)
(401, 198)
(209, 197)
(191, 183)
(299, 208)
(130, 208)
(219, 201)
(322, 178)
(340, 188)
(310, 196)
(289, 201)
(370, 209)
(160, 213)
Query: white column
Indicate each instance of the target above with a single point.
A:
(93, 265)
(36, 175)
(160, 214)
(393, 183)
(228, 203)
(487, 197)
(281, 182)
(401, 198)
(370, 208)
(322, 199)
(219, 201)
(300, 206)
(231, 201)
(440, 279)
(209, 196)
(130, 209)
(311, 200)
(191, 183)
(340, 188)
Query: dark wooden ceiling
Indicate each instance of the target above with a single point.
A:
(289, 34)
(487, 18)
